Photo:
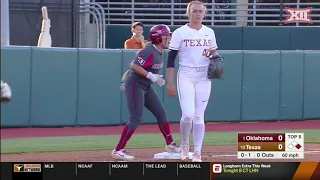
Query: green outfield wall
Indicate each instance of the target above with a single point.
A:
(80, 87)
(239, 38)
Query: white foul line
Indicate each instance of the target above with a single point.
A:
(312, 152)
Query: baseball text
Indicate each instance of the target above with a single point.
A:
(190, 166)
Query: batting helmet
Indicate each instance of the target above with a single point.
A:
(157, 31)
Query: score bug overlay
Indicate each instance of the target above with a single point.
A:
(270, 145)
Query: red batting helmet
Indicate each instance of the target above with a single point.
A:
(157, 31)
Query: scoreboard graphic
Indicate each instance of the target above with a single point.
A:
(165, 170)
(270, 145)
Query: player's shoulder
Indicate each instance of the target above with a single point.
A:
(148, 49)
(208, 29)
(180, 30)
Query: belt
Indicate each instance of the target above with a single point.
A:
(198, 69)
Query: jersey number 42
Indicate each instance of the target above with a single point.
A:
(207, 52)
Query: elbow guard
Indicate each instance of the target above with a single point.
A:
(171, 58)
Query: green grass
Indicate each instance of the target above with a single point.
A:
(87, 143)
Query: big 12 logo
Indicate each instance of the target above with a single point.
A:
(299, 15)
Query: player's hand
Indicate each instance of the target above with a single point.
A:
(161, 81)
(154, 77)
(208, 53)
(171, 89)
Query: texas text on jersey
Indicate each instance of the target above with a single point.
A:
(193, 45)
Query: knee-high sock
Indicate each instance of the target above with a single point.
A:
(166, 132)
(185, 129)
(125, 136)
(198, 135)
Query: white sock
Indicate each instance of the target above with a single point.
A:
(198, 135)
(185, 129)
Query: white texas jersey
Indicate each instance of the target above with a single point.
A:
(193, 45)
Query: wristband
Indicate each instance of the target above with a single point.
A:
(150, 75)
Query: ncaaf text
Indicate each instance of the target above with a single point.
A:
(26, 167)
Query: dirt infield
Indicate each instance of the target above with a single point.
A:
(210, 153)
(143, 129)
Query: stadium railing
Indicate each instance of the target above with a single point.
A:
(231, 14)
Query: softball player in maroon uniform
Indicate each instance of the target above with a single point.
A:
(139, 93)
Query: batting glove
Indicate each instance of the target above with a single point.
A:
(161, 81)
(154, 77)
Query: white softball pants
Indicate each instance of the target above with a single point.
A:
(194, 90)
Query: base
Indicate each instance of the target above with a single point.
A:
(166, 155)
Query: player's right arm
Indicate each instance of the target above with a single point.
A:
(174, 47)
(143, 61)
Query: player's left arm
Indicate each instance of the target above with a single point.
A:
(213, 45)
(174, 46)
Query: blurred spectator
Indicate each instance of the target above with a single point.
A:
(137, 40)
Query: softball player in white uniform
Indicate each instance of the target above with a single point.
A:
(193, 43)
